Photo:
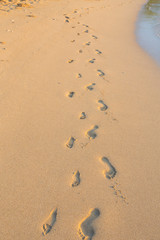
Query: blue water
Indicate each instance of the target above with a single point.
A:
(148, 29)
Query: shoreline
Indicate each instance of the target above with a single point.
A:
(39, 120)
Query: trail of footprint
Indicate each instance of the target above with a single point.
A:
(104, 106)
(90, 87)
(75, 179)
(85, 229)
(70, 142)
(48, 224)
(91, 134)
(110, 171)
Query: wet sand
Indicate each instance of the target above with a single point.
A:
(79, 125)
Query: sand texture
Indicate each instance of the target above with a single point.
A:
(79, 123)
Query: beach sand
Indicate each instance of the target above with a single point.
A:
(79, 123)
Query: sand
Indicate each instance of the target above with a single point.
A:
(78, 95)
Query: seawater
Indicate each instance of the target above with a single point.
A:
(148, 29)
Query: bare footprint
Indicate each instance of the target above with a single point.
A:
(90, 87)
(92, 60)
(100, 73)
(70, 142)
(70, 61)
(95, 37)
(82, 115)
(104, 106)
(79, 75)
(110, 171)
(76, 179)
(85, 229)
(48, 224)
(91, 134)
(98, 51)
(70, 94)
(85, 25)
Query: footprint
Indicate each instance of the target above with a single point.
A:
(70, 61)
(86, 31)
(80, 51)
(85, 25)
(104, 106)
(91, 134)
(87, 43)
(110, 171)
(95, 37)
(98, 51)
(72, 40)
(70, 142)
(76, 179)
(48, 224)
(79, 75)
(92, 60)
(100, 73)
(70, 94)
(90, 87)
(85, 229)
(82, 115)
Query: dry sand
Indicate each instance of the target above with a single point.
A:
(79, 107)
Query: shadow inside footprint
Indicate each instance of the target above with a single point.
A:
(48, 224)
(110, 171)
(85, 229)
